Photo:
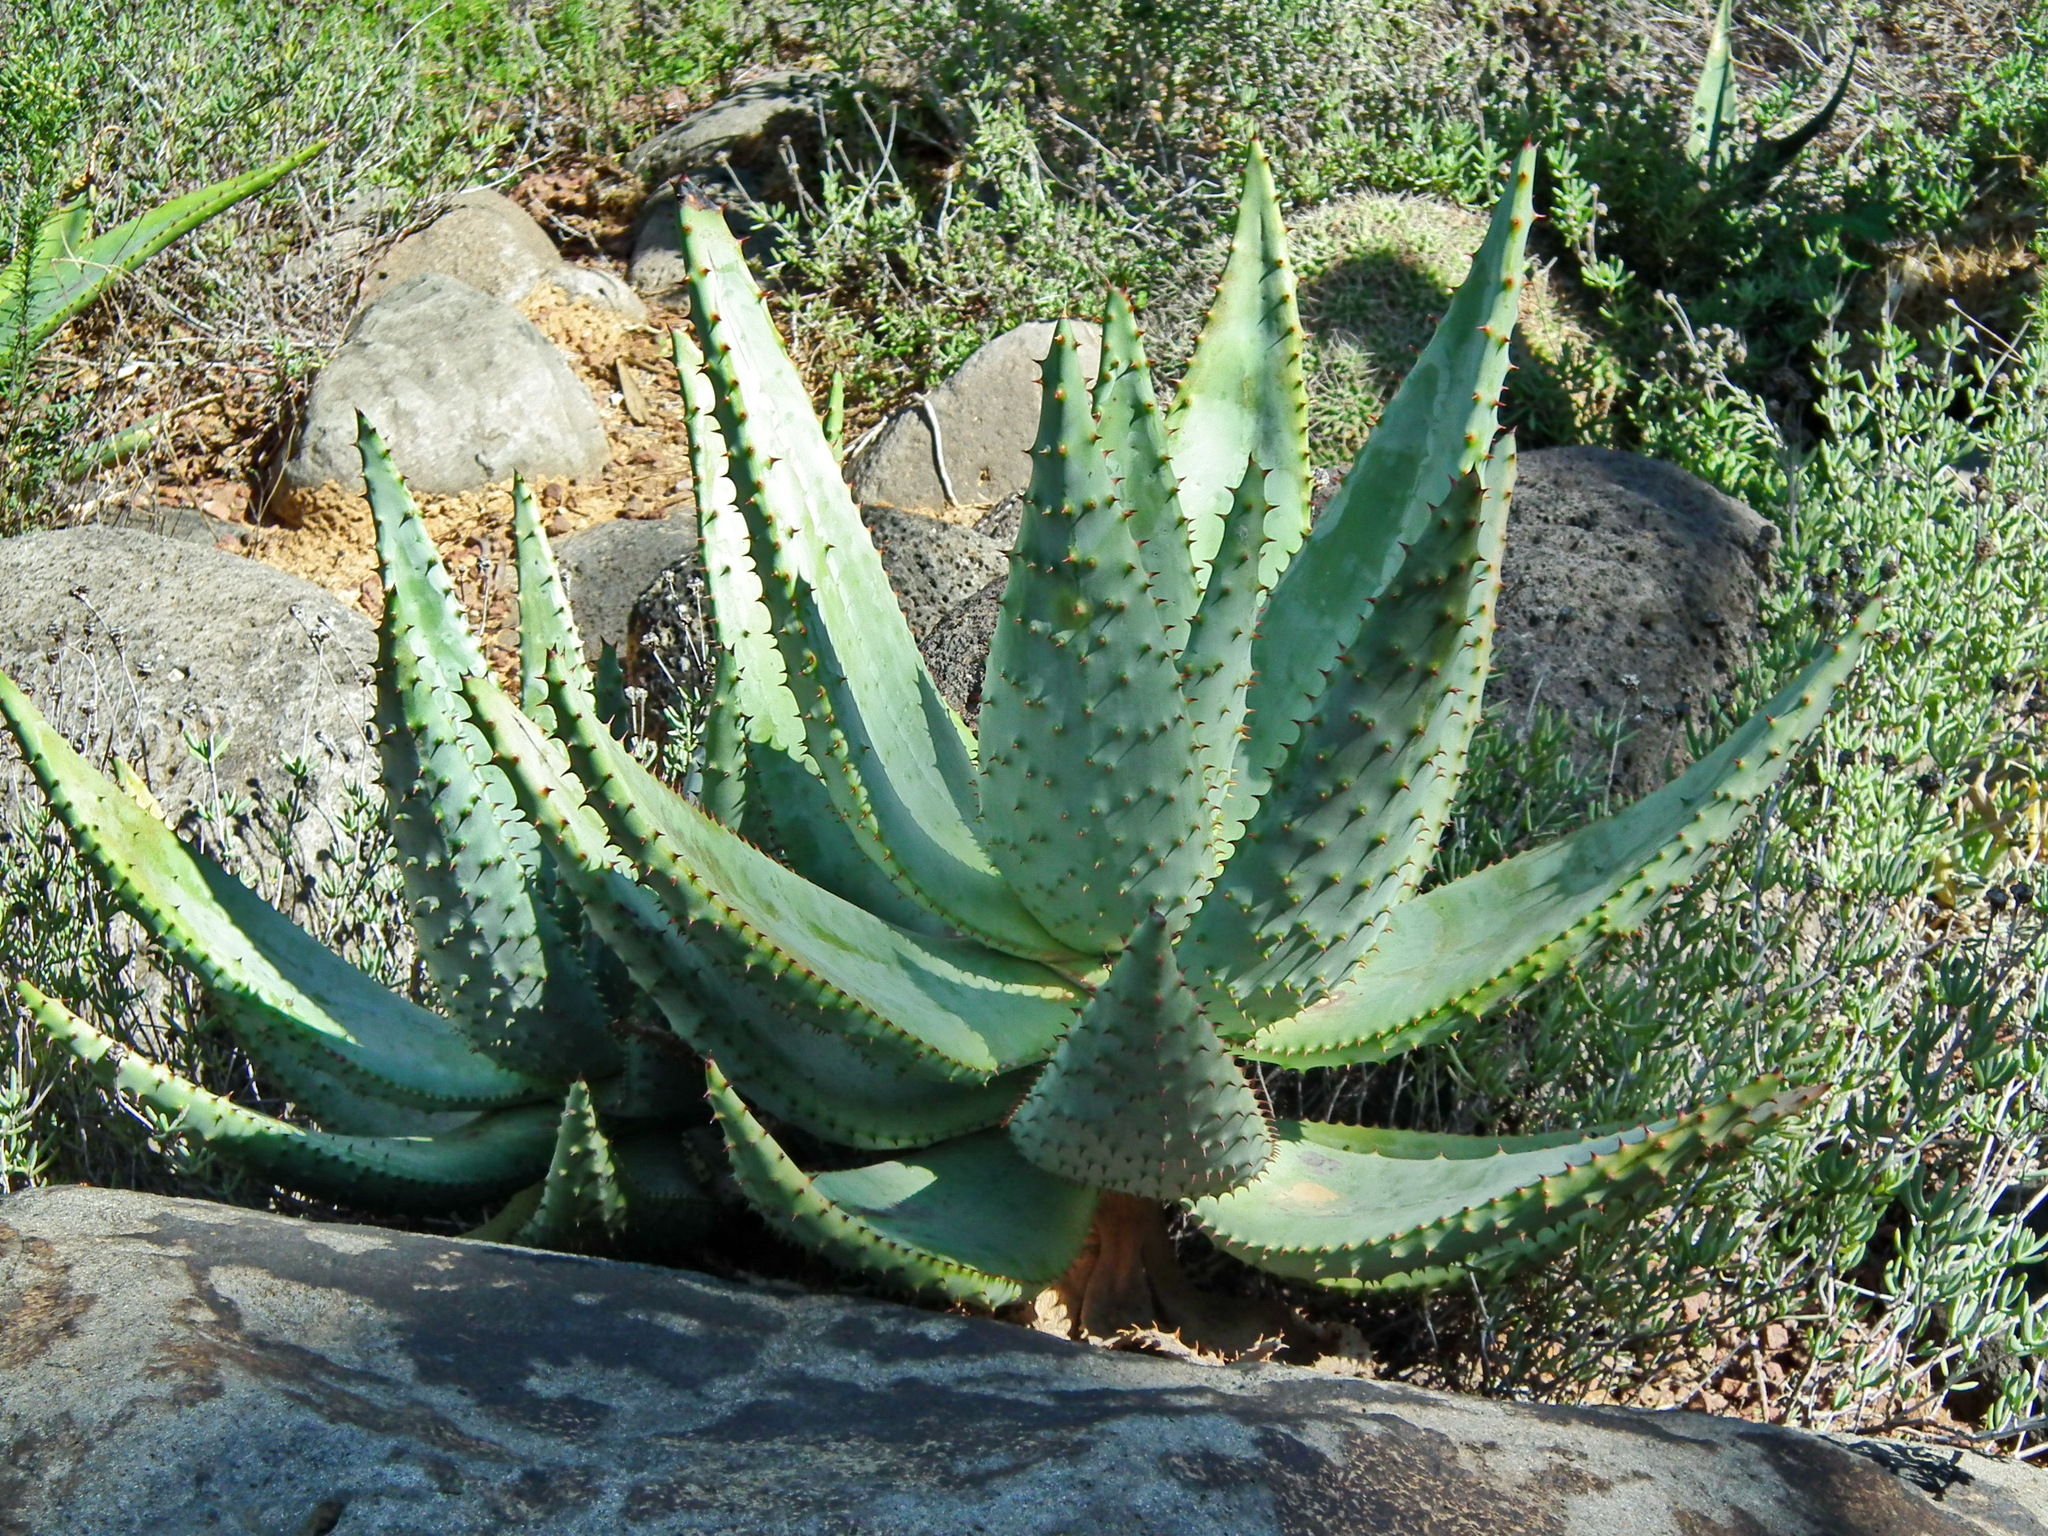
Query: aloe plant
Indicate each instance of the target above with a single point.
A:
(57, 274)
(967, 1009)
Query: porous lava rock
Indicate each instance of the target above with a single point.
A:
(1630, 593)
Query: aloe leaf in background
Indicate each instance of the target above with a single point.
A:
(1716, 107)
(1715, 120)
(67, 267)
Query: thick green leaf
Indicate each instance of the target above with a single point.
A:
(1351, 821)
(1216, 666)
(829, 1084)
(473, 1163)
(722, 785)
(473, 869)
(64, 282)
(832, 1060)
(1439, 425)
(293, 1002)
(1140, 469)
(1091, 800)
(546, 621)
(64, 229)
(751, 676)
(790, 813)
(758, 777)
(896, 759)
(968, 1220)
(1369, 1209)
(1141, 1096)
(1242, 399)
(1451, 954)
(945, 999)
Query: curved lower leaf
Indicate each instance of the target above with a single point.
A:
(947, 999)
(292, 1000)
(728, 998)
(1456, 951)
(1381, 1208)
(483, 1160)
(969, 1220)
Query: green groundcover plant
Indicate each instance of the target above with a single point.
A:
(956, 1003)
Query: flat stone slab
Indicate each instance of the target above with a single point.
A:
(172, 1367)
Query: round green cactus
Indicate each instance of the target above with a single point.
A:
(1216, 754)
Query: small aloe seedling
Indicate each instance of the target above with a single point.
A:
(960, 1001)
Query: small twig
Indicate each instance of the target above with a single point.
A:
(931, 420)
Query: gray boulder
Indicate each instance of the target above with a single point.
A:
(188, 525)
(495, 246)
(988, 419)
(729, 155)
(176, 1368)
(131, 642)
(464, 389)
(484, 239)
(1629, 591)
(742, 128)
(608, 567)
(658, 269)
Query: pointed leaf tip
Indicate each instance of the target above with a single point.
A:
(1141, 1096)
